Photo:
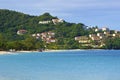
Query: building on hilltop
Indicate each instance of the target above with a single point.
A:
(55, 21)
(44, 22)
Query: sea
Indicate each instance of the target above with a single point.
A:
(61, 65)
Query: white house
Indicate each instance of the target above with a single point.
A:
(55, 21)
(105, 29)
(82, 39)
(44, 22)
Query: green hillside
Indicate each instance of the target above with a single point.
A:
(11, 22)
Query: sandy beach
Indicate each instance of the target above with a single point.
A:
(7, 52)
(51, 50)
(21, 52)
(4, 52)
(47, 50)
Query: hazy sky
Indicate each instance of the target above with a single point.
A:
(104, 13)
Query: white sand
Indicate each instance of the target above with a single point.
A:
(7, 52)
(4, 52)
(48, 50)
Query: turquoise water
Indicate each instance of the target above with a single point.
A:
(64, 65)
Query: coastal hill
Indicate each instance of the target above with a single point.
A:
(27, 32)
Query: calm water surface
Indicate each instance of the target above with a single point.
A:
(64, 65)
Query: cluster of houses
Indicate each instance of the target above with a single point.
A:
(54, 21)
(97, 39)
(48, 37)
(94, 40)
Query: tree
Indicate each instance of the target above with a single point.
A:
(112, 43)
(2, 42)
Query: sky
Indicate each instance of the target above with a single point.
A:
(101, 13)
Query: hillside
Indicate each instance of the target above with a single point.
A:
(12, 21)
(26, 32)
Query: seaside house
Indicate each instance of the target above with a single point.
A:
(48, 37)
(105, 29)
(116, 32)
(21, 32)
(97, 29)
(53, 40)
(51, 34)
(55, 21)
(95, 37)
(114, 35)
(105, 33)
(108, 34)
(97, 42)
(82, 39)
(43, 36)
(33, 35)
(44, 22)
(50, 40)
(36, 35)
(92, 35)
(100, 35)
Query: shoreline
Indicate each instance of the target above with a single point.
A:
(48, 50)
(15, 52)
(4, 52)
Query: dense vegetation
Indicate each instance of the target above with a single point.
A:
(12, 21)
